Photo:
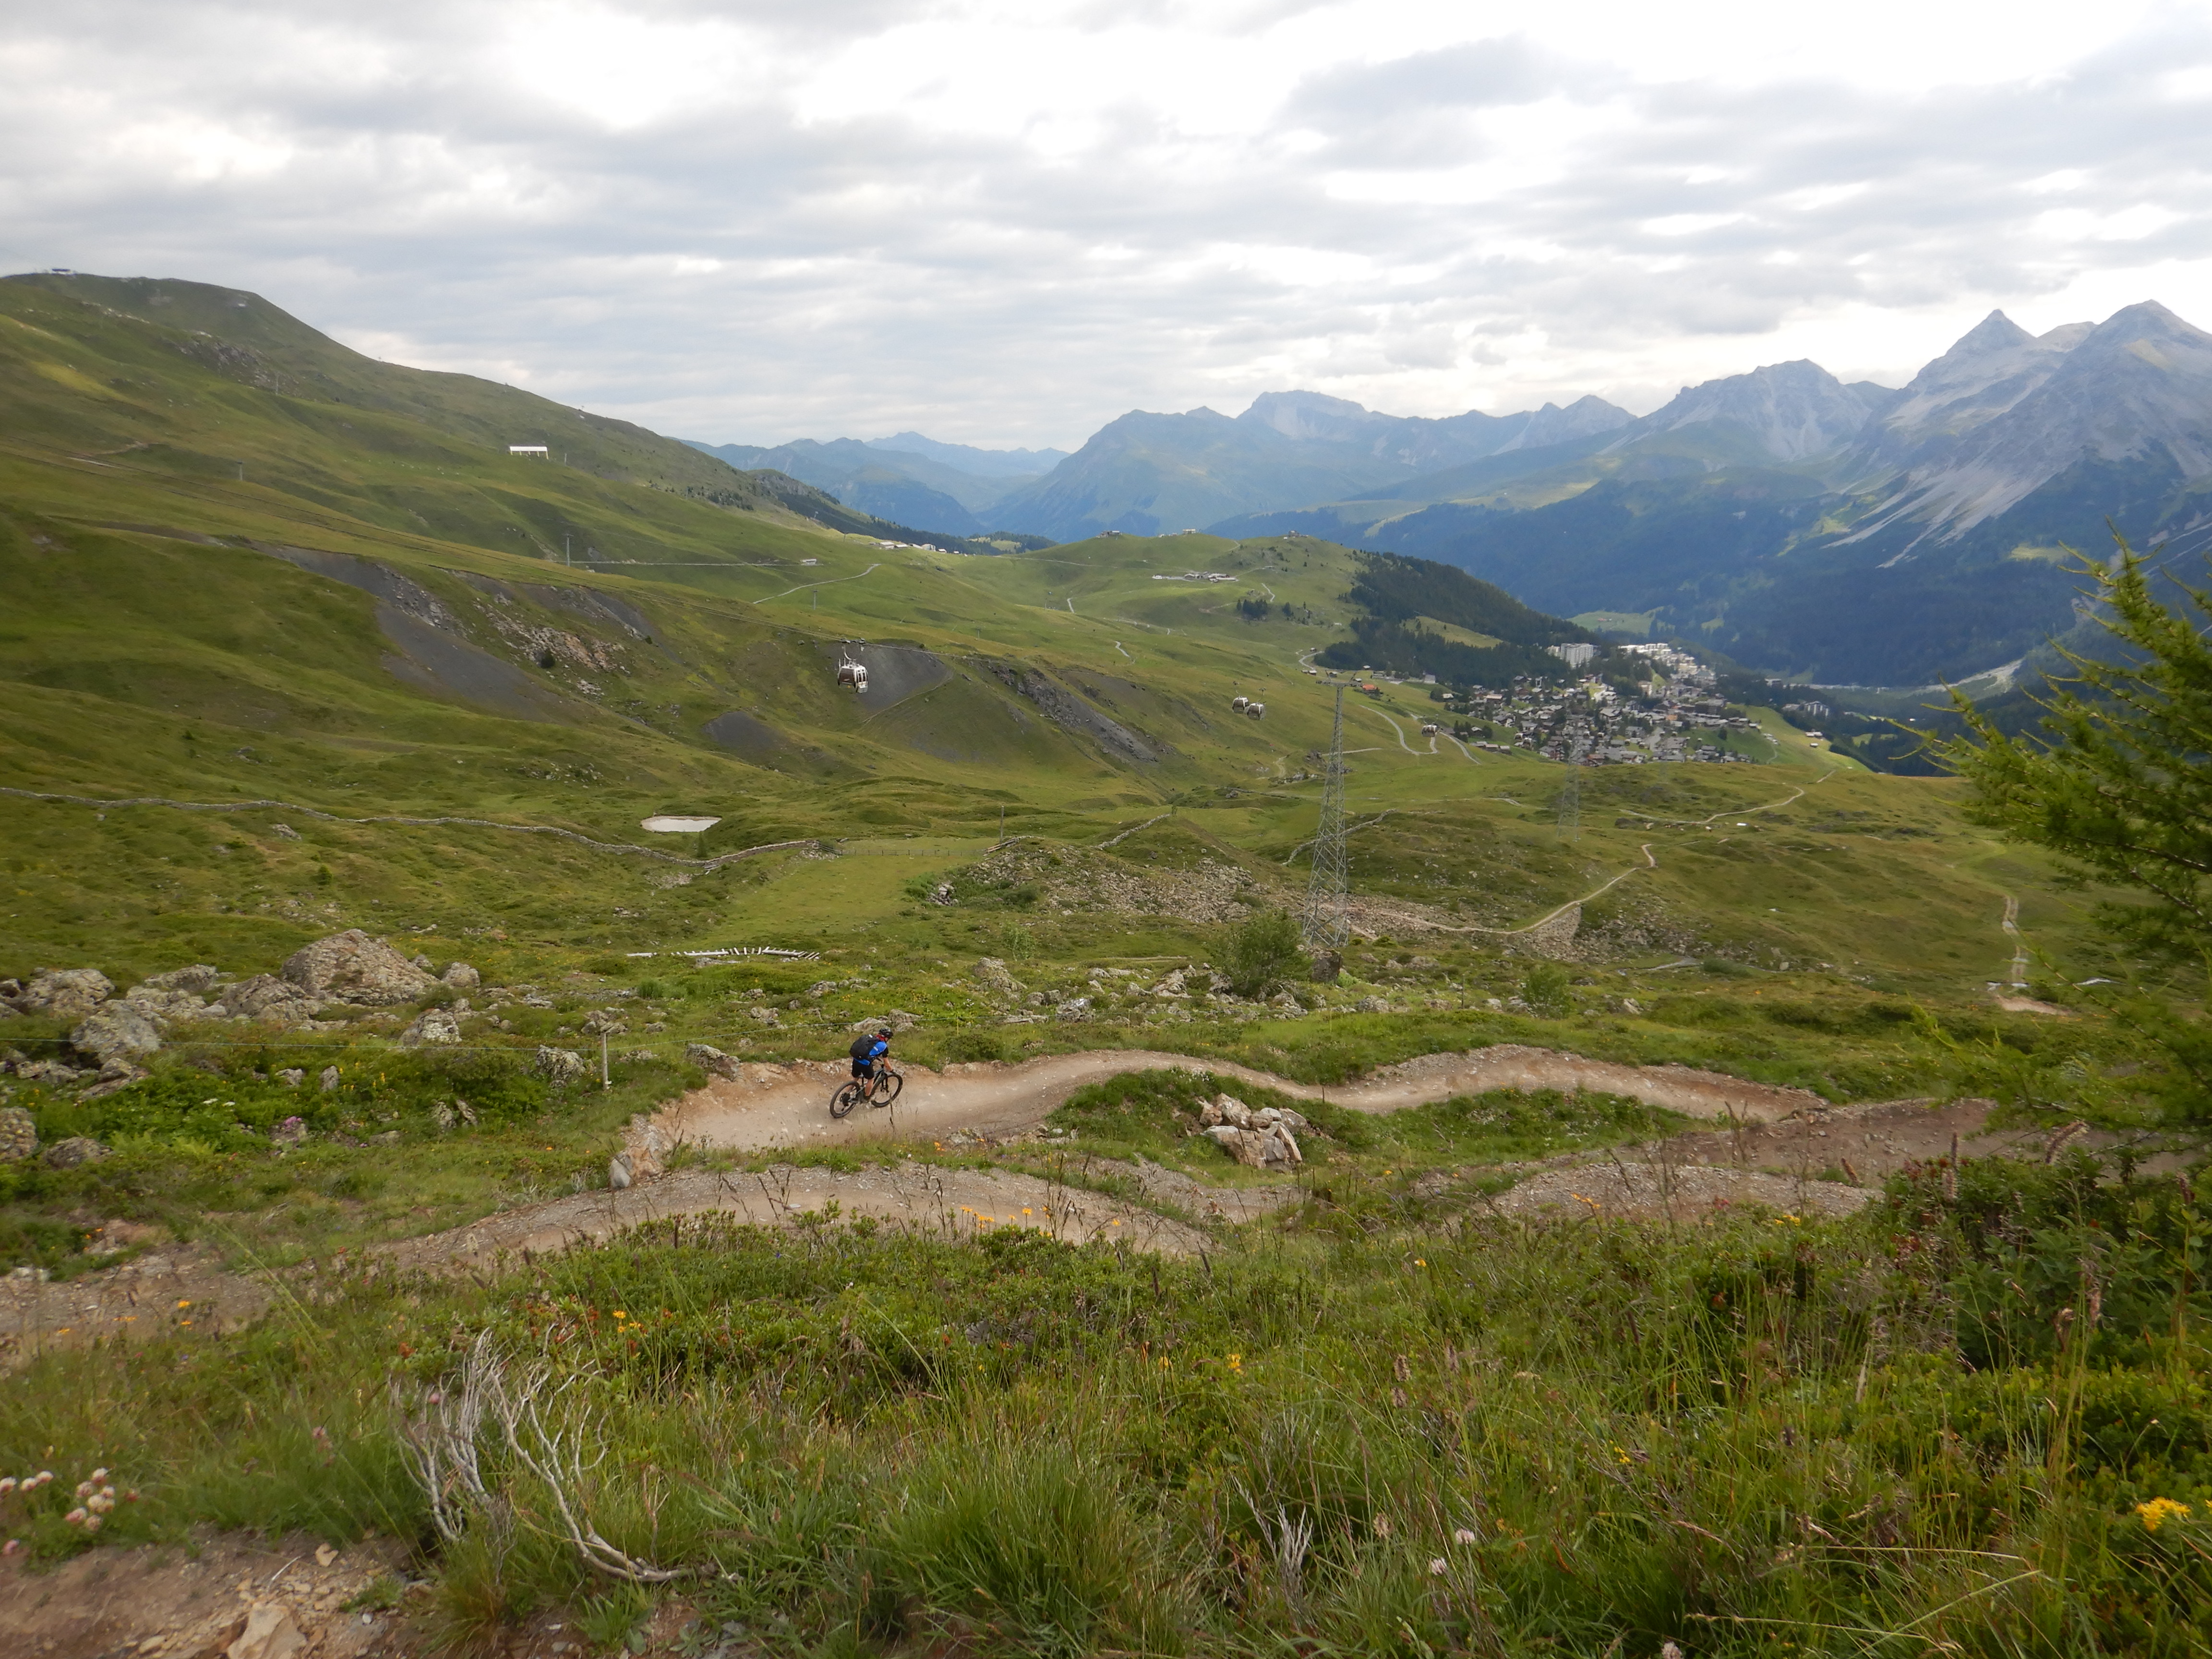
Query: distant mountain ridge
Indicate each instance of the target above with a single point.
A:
(1835, 531)
(1145, 473)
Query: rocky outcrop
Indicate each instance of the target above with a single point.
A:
(268, 998)
(708, 1059)
(19, 1134)
(560, 1067)
(165, 1007)
(1264, 1140)
(351, 967)
(433, 1027)
(197, 979)
(996, 977)
(63, 993)
(116, 1030)
(77, 1149)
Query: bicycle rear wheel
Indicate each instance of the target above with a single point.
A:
(846, 1098)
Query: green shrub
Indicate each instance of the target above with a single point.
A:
(1264, 952)
(1546, 987)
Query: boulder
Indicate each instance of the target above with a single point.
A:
(706, 1058)
(65, 993)
(1294, 1121)
(997, 977)
(619, 1173)
(1074, 1008)
(292, 1077)
(197, 979)
(266, 997)
(292, 1131)
(460, 976)
(116, 1030)
(1373, 1005)
(19, 1134)
(432, 1027)
(605, 1021)
(1271, 1148)
(52, 1073)
(351, 967)
(764, 1014)
(560, 1065)
(895, 1022)
(329, 1079)
(116, 1075)
(164, 1007)
(77, 1149)
(1226, 1108)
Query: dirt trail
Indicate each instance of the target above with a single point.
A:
(766, 1106)
(1791, 1134)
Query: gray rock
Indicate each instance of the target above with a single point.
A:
(351, 967)
(619, 1174)
(164, 1007)
(460, 976)
(764, 1014)
(283, 832)
(77, 1149)
(997, 976)
(116, 1030)
(706, 1058)
(432, 1027)
(1074, 1008)
(560, 1065)
(198, 978)
(19, 1134)
(329, 1079)
(606, 1021)
(1271, 1148)
(65, 993)
(1372, 1005)
(264, 996)
(292, 1131)
(115, 1075)
(292, 1077)
(52, 1073)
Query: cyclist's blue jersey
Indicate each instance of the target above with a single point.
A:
(876, 1050)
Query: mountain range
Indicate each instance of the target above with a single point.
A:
(908, 479)
(1841, 532)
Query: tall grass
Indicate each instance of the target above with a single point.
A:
(1351, 1432)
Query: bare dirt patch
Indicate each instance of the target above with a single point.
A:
(193, 1600)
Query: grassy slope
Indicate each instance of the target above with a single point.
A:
(179, 661)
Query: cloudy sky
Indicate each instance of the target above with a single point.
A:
(1006, 223)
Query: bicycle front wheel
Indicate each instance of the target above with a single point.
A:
(888, 1090)
(845, 1099)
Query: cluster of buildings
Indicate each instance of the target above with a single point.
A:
(1674, 715)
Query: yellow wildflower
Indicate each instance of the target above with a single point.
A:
(2160, 1511)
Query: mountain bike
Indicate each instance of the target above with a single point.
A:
(879, 1090)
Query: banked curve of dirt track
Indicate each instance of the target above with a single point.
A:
(765, 1106)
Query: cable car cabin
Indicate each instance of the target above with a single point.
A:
(854, 674)
(1429, 728)
(1255, 710)
(1238, 705)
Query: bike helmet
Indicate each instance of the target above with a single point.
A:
(884, 1034)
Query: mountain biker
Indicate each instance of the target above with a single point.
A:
(866, 1050)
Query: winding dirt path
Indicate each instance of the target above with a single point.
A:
(786, 1106)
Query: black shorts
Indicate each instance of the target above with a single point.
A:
(864, 1069)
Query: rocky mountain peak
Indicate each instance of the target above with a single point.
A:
(1793, 410)
(1311, 416)
(1995, 332)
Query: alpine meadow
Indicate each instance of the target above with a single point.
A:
(1449, 1094)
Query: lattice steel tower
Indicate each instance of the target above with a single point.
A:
(1571, 796)
(1328, 917)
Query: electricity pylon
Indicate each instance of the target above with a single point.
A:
(1571, 796)
(1328, 917)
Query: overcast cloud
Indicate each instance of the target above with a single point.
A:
(1010, 223)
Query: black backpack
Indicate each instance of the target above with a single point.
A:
(861, 1044)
